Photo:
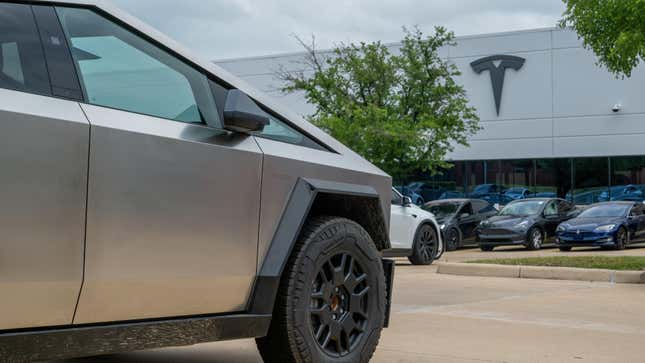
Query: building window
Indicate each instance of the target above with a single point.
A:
(627, 179)
(591, 180)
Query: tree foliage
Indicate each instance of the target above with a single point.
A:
(400, 109)
(613, 29)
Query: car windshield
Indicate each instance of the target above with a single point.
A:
(609, 210)
(515, 191)
(524, 208)
(442, 209)
(482, 188)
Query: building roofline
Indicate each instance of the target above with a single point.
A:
(392, 44)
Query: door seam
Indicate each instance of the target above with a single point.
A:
(87, 198)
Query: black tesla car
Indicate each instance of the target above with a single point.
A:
(459, 218)
(528, 222)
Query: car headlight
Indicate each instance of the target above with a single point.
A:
(523, 224)
(561, 228)
(443, 226)
(605, 228)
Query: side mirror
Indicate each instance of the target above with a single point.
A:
(406, 201)
(242, 114)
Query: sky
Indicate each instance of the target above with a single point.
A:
(224, 29)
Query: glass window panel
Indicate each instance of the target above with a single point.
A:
(120, 69)
(553, 178)
(591, 181)
(22, 63)
(509, 180)
(627, 179)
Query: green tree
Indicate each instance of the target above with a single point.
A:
(402, 110)
(613, 29)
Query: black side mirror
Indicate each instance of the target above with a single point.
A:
(406, 201)
(242, 114)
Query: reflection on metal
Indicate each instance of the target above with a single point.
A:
(497, 71)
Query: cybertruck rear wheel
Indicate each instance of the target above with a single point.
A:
(331, 302)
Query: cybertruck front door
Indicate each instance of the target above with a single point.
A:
(173, 204)
(172, 222)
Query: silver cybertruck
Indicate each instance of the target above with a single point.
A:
(150, 199)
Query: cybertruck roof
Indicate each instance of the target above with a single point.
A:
(221, 74)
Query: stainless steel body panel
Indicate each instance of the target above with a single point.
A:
(223, 75)
(285, 163)
(43, 181)
(172, 223)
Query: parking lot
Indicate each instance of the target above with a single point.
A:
(442, 318)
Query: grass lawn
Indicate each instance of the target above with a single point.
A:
(624, 263)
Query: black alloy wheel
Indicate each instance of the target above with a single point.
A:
(425, 247)
(621, 239)
(452, 239)
(339, 308)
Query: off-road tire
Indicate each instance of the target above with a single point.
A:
(291, 337)
(425, 246)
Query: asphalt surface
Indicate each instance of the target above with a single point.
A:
(443, 318)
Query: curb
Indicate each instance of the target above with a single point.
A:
(541, 272)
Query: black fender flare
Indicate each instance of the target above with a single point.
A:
(285, 237)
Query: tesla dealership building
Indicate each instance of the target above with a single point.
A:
(554, 123)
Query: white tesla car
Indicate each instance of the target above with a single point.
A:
(414, 232)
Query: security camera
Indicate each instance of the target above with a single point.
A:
(617, 107)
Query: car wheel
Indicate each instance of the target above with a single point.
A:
(452, 239)
(565, 249)
(535, 239)
(424, 249)
(621, 239)
(486, 248)
(331, 301)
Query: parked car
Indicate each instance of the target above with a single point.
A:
(483, 190)
(458, 219)
(428, 191)
(414, 233)
(416, 198)
(517, 193)
(151, 199)
(623, 192)
(606, 225)
(451, 195)
(528, 222)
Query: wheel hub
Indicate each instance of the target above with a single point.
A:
(339, 304)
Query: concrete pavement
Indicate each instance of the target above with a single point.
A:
(444, 318)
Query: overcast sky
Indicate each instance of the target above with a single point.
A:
(221, 29)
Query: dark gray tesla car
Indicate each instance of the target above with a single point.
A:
(527, 222)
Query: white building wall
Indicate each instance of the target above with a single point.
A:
(558, 105)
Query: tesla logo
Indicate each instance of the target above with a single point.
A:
(496, 65)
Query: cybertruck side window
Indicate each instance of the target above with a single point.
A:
(122, 70)
(22, 62)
